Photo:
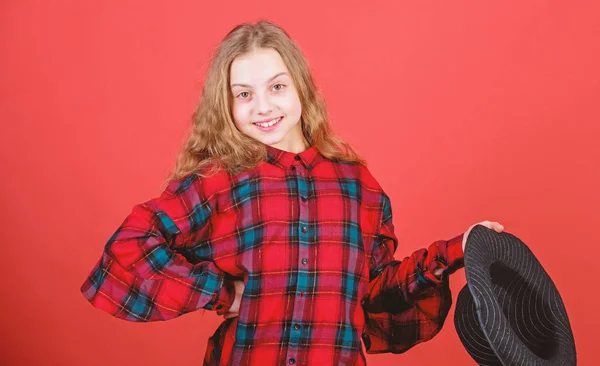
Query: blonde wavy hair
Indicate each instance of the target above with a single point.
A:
(215, 141)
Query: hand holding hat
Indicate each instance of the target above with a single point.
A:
(490, 225)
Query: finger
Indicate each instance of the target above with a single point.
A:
(496, 226)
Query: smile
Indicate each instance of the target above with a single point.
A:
(269, 124)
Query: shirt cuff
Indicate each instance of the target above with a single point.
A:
(455, 256)
(448, 256)
(225, 297)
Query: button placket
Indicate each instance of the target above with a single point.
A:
(304, 216)
(303, 260)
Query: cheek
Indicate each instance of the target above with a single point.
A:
(292, 105)
(240, 114)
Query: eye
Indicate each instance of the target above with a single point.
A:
(243, 95)
(278, 87)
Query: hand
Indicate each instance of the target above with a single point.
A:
(490, 225)
(234, 310)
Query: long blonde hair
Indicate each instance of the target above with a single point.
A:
(215, 141)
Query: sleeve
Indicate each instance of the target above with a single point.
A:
(406, 304)
(143, 275)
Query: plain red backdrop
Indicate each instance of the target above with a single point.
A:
(465, 110)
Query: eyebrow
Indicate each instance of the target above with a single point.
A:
(268, 81)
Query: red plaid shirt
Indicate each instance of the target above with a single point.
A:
(312, 239)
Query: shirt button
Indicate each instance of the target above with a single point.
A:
(292, 361)
(304, 229)
(304, 261)
(303, 198)
(296, 326)
(297, 157)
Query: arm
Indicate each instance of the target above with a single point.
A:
(407, 304)
(141, 276)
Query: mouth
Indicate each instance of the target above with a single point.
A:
(268, 125)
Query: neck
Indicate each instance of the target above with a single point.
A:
(294, 147)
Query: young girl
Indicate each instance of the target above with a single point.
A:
(276, 225)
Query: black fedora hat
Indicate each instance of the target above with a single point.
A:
(510, 312)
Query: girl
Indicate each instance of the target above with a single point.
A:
(275, 224)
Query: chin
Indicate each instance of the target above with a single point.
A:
(271, 138)
(270, 141)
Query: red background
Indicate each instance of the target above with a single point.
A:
(465, 110)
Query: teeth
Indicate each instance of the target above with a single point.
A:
(268, 124)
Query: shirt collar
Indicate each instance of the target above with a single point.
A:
(285, 159)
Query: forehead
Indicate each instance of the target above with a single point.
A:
(256, 67)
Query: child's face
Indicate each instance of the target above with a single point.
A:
(266, 105)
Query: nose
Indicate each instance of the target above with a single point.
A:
(264, 106)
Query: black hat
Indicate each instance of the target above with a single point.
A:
(510, 312)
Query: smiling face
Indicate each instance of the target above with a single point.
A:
(266, 105)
